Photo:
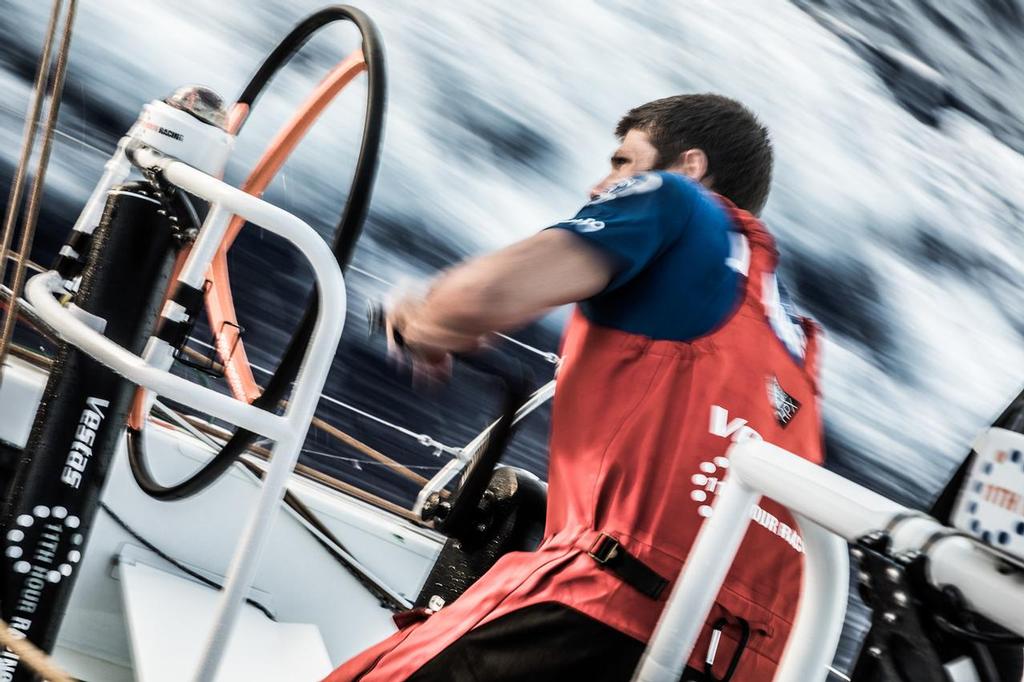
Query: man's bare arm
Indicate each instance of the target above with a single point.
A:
(502, 290)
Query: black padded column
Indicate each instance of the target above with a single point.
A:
(57, 483)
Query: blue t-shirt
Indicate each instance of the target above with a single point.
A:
(671, 243)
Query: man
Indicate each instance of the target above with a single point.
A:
(678, 346)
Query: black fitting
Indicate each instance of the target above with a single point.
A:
(72, 256)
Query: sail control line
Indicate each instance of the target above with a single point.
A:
(28, 143)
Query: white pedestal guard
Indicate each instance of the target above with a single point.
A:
(830, 511)
(287, 430)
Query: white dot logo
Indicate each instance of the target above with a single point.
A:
(56, 520)
(707, 483)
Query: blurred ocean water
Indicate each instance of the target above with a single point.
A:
(898, 193)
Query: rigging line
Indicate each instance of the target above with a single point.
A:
(359, 571)
(553, 358)
(422, 438)
(367, 273)
(80, 141)
(547, 355)
(30, 264)
(28, 227)
(362, 447)
(838, 673)
(186, 425)
(28, 140)
(360, 462)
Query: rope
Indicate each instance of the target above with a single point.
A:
(358, 463)
(314, 474)
(380, 457)
(29, 263)
(305, 516)
(28, 140)
(421, 438)
(28, 228)
(31, 655)
(553, 358)
(838, 673)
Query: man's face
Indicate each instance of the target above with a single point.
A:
(634, 155)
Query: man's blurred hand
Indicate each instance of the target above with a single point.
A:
(430, 362)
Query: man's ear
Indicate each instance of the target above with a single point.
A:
(693, 163)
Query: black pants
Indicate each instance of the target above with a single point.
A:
(542, 643)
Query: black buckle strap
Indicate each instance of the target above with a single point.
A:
(609, 554)
(716, 636)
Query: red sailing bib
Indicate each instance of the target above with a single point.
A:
(640, 428)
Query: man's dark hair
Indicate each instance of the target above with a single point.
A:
(736, 144)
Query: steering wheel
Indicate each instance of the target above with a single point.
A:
(219, 302)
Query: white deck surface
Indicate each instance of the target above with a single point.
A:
(168, 620)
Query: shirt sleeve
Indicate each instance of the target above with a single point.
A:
(634, 222)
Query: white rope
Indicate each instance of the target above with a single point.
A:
(422, 438)
(358, 463)
(356, 268)
(34, 267)
(550, 357)
(839, 673)
(187, 426)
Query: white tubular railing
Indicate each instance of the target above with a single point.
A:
(824, 589)
(39, 291)
(287, 430)
(824, 503)
(457, 465)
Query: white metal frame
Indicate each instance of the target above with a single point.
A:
(455, 466)
(287, 430)
(830, 512)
